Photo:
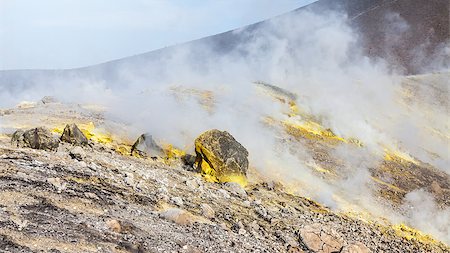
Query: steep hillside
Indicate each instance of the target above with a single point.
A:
(95, 198)
(323, 99)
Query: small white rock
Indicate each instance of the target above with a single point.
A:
(177, 201)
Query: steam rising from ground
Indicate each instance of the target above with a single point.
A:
(313, 55)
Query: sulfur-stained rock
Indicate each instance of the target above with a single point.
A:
(36, 138)
(146, 146)
(72, 134)
(221, 157)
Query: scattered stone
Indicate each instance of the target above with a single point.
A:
(36, 138)
(272, 185)
(224, 193)
(129, 178)
(181, 217)
(91, 195)
(114, 225)
(436, 188)
(58, 183)
(356, 248)
(177, 201)
(253, 226)
(321, 239)
(221, 156)
(207, 211)
(21, 224)
(236, 189)
(261, 211)
(294, 249)
(77, 153)
(145, 146)
(26, 105)
(192, 184)
(72, 134)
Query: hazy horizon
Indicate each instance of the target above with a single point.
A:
(70, 34)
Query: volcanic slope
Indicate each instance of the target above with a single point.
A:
(104, 200)
(318, 98)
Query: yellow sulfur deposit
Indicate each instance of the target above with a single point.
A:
(393, 187)
(172, 152)
(311, 130)
(95, 134)
(124, 149)
(412, 234)
(89, 130)
(398, 156)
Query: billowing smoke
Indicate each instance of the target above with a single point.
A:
(178, 93)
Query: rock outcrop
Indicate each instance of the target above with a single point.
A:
(36, 138)
(72, 134)
(146, 146)
(221, 157)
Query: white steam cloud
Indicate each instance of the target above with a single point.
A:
(315, 56)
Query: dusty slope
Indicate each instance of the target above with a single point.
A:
(110, 202)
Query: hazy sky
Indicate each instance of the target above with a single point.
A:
(74, 33)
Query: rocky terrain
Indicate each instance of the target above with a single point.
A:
(95, 198)
(321, 130)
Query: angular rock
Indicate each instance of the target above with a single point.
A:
(181, 217)
(114, 225)
(17, 139)
(220, 156)
(36, 138)
(236, 189)
(321, 239)
(77, 153)
(188, 160)
(207, 211)
(146, 146)
(72, 134)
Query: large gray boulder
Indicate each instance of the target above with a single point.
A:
(146, 146)
(221, 157)
(72, 134)
(36, 138)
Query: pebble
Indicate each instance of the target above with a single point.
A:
(77, 153)
(177, 201)
(207, 211)
(114, 225)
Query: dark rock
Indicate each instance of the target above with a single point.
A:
(219, 155)
(17, 139)
(36, 138)
(188, 160)
(72, 134)
(146, 146)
